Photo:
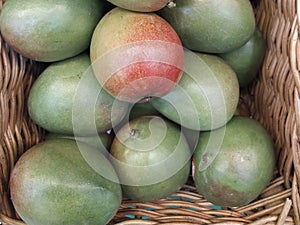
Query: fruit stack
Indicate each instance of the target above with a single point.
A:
(149, 112)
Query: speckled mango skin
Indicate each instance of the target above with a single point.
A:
(247, 60)
(211, 26)
(136, 55)
(206, 96)
(49, 31)
(233, 164)
(57, 104)
(53, 184)
(153, 161)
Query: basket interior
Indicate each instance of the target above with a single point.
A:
(273, 99)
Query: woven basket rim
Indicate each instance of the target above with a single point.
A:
(273, 99)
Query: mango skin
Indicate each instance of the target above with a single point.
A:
(141, 6)
(52, 30)
(52, 184)
(152, 158)
(233, 164)
(102, 141)
(64, 100)
(247, 60)
(211, 26)
(206, 96)
(136, 55)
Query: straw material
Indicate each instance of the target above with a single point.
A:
(17, 131)
(273, 99)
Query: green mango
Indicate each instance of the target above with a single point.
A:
(49, 30)
(206, 96)
(152, 158)
(141, 6)
(247, 60)
(67, 99)
(211, 26)
(233, 164)
(57, 182)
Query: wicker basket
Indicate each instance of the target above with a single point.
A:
(273, 99)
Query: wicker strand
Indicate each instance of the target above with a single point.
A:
(296, 201)
(273, 99)
(276, 90)
(295, 67)
(17, 131)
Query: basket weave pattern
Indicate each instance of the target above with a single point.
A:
(17, 131)
(273, 99)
